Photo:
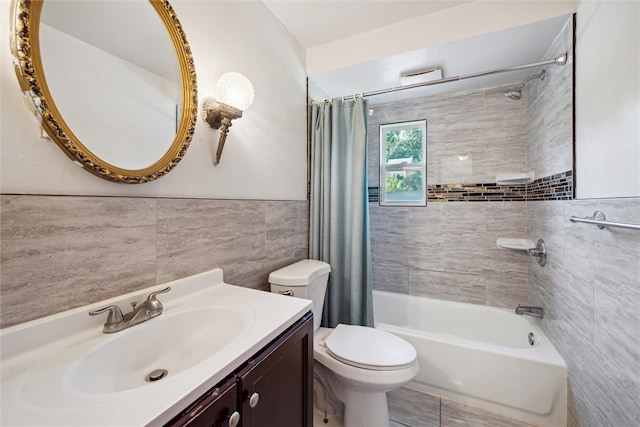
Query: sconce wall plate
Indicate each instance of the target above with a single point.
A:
(219, 116)
(213, 112)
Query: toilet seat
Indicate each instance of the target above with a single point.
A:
(369, 348)
(361, 389)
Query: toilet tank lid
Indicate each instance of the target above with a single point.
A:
(299, 274)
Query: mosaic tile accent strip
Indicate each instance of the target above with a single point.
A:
(554, 187)
(476, 193)
(374, 194)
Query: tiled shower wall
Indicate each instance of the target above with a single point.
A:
(550, 112)
(448, 250)
(590, 287)
(471, 136)
(590, 291)
(62, 252)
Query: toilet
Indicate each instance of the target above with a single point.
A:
(358, 364)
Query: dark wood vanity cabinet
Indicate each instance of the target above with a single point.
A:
(272, 389)
(213, 409)
(276, 387)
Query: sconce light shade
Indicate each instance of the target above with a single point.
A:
(236, 90)
(234, 93)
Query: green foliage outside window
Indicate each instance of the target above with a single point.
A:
(404, 144)
(396, 182)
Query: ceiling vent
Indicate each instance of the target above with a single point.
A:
(420, 76)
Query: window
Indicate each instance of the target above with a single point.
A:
(403, 165)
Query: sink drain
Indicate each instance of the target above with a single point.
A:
(157, 375)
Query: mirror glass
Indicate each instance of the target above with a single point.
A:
(114, 84)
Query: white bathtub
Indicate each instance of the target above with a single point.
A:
(479, 356)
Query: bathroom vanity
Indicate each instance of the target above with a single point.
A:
(274, 388)
(228, 352)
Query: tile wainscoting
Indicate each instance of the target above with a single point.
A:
(61, 252)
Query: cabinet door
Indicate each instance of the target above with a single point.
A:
(213, 409)
(277, 385)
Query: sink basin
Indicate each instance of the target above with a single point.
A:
(172, 342)
(119, 362)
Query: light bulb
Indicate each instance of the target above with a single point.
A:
(235, 90)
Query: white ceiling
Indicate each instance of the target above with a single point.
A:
(501, 49)
(315, 22)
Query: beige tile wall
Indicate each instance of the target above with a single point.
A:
(590, 287)
(481, 124)
(550, 112)
(590, 291)
(448, 250)
(61, 252)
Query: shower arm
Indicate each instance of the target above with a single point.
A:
(560, 60)
(524, 82)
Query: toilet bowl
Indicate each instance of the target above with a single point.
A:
(360, 364)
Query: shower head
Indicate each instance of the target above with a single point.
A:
(516, 92)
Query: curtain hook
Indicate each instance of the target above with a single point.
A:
(343, 100)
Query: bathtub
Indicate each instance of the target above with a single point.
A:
(480, 356)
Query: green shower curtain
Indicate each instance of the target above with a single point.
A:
(339, 212)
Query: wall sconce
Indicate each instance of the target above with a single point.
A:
(234, 94)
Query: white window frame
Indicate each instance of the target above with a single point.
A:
(385, 166)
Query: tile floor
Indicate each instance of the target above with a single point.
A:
(409, 408)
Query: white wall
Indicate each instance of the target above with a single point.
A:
(265, 154)
(608, 99)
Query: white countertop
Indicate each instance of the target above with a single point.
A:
(37, 357)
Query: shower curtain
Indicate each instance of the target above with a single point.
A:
(339, 211)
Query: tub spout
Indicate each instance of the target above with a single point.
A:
(530, 311)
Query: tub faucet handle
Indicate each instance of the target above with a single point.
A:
(539, 252)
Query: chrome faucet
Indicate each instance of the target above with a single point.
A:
(530, 311)
(116, 321)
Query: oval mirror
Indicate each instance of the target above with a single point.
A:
(113, 82)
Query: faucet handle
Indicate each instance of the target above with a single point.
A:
(152, 295)
(114, 317)
(152, 304)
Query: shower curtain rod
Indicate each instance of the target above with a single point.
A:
(560, 60)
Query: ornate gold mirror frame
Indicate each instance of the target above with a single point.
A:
(29, 70)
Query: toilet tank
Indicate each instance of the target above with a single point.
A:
(304, 279)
